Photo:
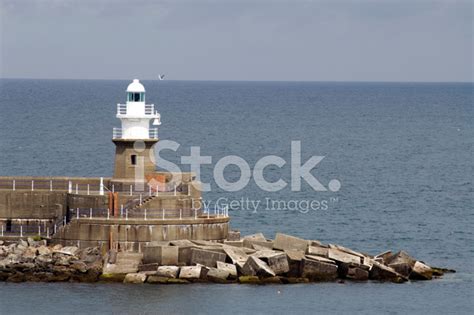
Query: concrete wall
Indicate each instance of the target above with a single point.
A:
(23, 204)
(94, 232)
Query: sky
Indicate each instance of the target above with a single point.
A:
(298, 40)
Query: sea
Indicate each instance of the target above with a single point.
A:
(395, 167)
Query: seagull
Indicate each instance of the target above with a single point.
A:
(161, 77)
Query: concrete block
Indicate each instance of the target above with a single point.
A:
(318, 251)
(357, 273)
(237, 255)
(321, 259)
(234, 243)
(157, 279)
(217, 275)
(190, 272)
(231, 269)
(288, 242)
(256, 267)
(233, 235)
(384, 273)
(250, 243)
(278, 263)
(340, 256)
(421, 271)
(182, 243)
(318, 270)
(163, 255)
(255, 237)
(148, 267)
(135, 278)
(295, 259)
(206, 258)
(168, 271)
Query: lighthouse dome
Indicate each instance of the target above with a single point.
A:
(135, 86)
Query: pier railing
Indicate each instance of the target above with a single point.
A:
(117, 133)
(149, 109)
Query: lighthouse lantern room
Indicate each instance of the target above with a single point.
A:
(135, 140)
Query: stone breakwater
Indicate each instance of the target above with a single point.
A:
(252, 259)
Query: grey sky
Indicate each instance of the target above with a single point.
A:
(238, 40)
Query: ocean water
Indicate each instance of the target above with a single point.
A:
(403, 153)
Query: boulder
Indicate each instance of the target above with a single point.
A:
(163, 255)
(288, 242)
(340, 256)
(256, 267)
(43, 250)
(383, 257)
(421, 271)
(168, 271)
(206, 258)
(231, 269)
(217, 275)
(79, 266)
(402, 268)
(134, 278)
(68, 250)
(318, 270)
(190, 272)
(400, 258)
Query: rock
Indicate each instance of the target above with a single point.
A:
(233, 236)
(57, 247)
(156, 279)
(295, 280)
(340, 256)
(112, 277)
(231, 269)
(249, 280)
(79, 266)
(23, 243)
(163, 255)
(384, 273)
(256, 267)
(318, 251)
(44, 260)
(217, 275)
(29, 254)
(168, 271)
(237, 255)
(190, 272)
(43, 250)
(288, 242)
(318, 270)
(68, 250)
(357, 273)
(135, 278)
(206, 258)
(421, 271)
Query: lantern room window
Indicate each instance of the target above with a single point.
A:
(136, 97)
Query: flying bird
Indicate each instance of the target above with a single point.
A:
(161, 77)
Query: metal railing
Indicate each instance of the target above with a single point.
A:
(117, 133)
(149, 109)
(21, 228)
(149, 214)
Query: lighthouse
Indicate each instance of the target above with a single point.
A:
(135, 140)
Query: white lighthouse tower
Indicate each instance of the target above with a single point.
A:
(135, 140)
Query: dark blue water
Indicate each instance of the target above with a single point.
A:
(403, 153)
